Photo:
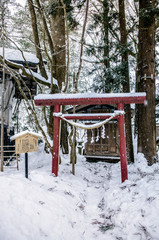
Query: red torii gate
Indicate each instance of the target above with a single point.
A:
(119, 99)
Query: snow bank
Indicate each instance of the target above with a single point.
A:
(93, 204)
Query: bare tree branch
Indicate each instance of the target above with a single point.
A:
(67, 51)
(43, 18)
(82, 43)
(36, 38)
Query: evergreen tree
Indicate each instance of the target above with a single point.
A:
(146, 79)
(105, 48)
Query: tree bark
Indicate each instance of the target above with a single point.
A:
(36, 38)
(59, 68)
(82, 46)
(45, 26)
(2, 97)
(146, 81)
(106, 33)
(126, 84)
(106, 43)
(58, 35)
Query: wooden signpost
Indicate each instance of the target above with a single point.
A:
(26, 142)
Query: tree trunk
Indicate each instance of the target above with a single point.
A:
(58, 35)
(59, 41)
(126, 84)
(106, 44)
(106, 33)
(146, 81)
(2, 97)
(36, 38)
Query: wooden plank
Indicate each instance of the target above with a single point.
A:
(91, 99)
(102, 157)
(9, 146)
(8, 151)
(89, 116)
(12, 156)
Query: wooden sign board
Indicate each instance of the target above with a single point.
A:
(26, 143)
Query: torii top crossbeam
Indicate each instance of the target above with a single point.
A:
(119, 99)
(89, 98)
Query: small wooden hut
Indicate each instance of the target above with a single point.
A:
(14, 57)
(101, 143)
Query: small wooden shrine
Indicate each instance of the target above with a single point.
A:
(101, 143)
(119, 99)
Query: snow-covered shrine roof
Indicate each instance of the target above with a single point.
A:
(16, 55)
(89, 98)
(25, 133)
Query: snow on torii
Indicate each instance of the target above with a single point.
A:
(119, 99)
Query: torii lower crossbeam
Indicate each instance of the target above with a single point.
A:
(57, 100)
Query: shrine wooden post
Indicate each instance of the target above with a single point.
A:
(56, 143)
(119, 99)
(122, 144)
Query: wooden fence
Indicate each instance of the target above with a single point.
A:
(9, 155)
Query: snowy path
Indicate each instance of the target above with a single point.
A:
(93, 204)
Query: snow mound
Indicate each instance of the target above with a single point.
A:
(93, 204)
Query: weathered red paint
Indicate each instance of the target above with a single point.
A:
(56, 139)
(120, 101)
(90, 101)
(122, 140)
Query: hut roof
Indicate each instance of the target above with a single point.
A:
(15, 55)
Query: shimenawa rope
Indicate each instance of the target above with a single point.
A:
(91, 126)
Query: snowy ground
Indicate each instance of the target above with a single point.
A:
(93, 204)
